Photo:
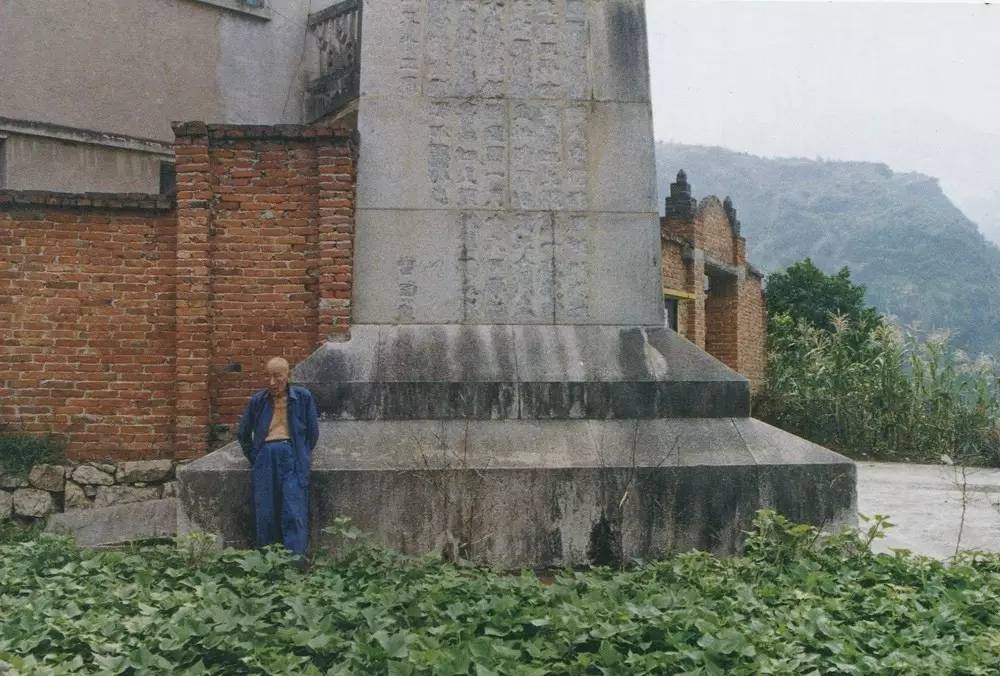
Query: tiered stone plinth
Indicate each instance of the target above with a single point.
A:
(535, 446)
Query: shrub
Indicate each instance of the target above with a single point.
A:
(19, 451)
(869, 390)
(797, 602)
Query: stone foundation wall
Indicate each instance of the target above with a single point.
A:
(49, 489)
(135, 325)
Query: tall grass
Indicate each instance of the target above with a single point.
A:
(881, 393)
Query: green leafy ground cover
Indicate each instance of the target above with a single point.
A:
(794, 603)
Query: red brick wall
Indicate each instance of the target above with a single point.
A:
(134, 329)
(722, 326)
(87, 298)
(712, 231)
(753, 330)
(264, 263)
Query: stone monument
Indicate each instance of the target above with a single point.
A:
(509, 393)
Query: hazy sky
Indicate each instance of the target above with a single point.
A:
(916, 86)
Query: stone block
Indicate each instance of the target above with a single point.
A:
(548, 50)
(618, 51)
(13, 481)
(465, 54)
(393, 169)
(549, 156)
(407, 267)
(532, 493)
(170, 489)
(602, 269)
(117, 495)
(6, 505)
(89, 474)
(119, 524)
(75, 497)
(144, 471)
(33, 502)
(508, 267)
(433, 154)
(48, 477)
(392, 48)
(621, 168)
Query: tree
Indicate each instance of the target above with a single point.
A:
(803, 292)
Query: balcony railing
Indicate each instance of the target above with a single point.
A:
(337, 34)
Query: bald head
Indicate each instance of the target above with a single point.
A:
(277, 376)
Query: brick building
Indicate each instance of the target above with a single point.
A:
(713, 296)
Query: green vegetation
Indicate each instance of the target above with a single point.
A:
(856, 384)
(19, 451)
(794, 603)
(918, 256)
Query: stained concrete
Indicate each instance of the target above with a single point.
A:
(925, 504)
(538, 493)
(519, 372)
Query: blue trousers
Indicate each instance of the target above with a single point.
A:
(281, 501)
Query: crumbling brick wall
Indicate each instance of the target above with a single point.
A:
(139, 326)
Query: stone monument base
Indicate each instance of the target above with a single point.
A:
(541, 493)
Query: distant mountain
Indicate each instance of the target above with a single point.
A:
(919, 256)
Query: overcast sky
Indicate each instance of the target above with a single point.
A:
(916, 86)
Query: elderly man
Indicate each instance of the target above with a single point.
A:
(278, 432)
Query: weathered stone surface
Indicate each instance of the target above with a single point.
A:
(144, 471)
(408, 270)
(619, 59)
(548, 156)
(108, 467)
(48, 477)
(536, 493)
(519, 371)
(75, 498)
(33, 502)
(90, 491)
(508, 267)
(616, 131)
(89, 474)
(116, 495)
(392, 48)
(487, 121)
(13, 481)
(170, 489)
(602, 269)
(6, 504)
(118, 524)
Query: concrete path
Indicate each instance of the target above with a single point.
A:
(925, 504)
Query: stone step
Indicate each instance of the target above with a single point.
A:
(519, 372)
(516, 493)
(118, 524)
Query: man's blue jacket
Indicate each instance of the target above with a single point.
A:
(303, 427)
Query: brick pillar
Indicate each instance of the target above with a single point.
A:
(335, 157)
(193, 329)
(695, 274)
